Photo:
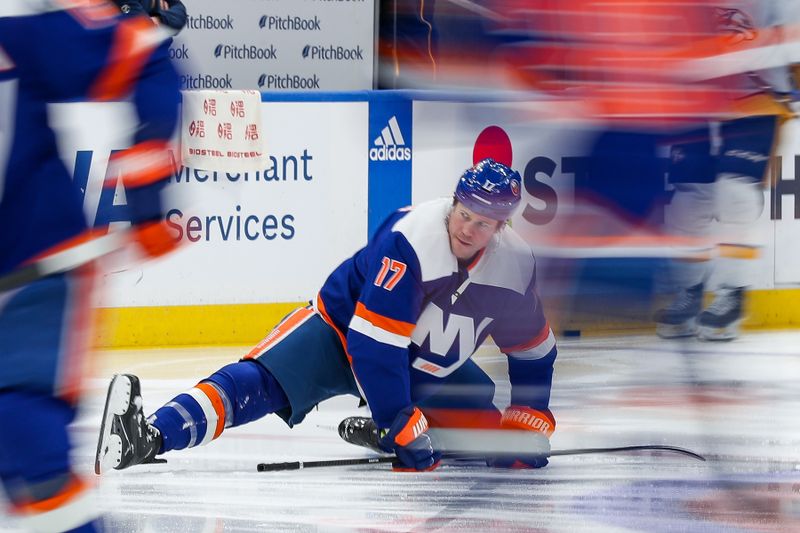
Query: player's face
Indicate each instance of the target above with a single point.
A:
(469, 232)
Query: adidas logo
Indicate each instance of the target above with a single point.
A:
(390, 145)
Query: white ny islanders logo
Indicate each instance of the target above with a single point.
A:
(431, 325)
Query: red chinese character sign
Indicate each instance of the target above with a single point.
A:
(221, 131)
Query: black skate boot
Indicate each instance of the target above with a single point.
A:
(361, 431)
(679, 318)
(126, 438)
(720, 322)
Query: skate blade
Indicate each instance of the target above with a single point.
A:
(675, 331)
(117, 402)
(728, 333)
(110, 455)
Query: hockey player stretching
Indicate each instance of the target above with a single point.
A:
(52, 51)
(396, 324)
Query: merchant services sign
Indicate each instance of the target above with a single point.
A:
(277, 45)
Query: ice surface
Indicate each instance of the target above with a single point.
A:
(737, 403)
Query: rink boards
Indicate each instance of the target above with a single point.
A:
(258, 243)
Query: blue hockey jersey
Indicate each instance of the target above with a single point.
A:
(409, 314)
(64, 50)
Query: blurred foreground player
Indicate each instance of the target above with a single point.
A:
(718, 172)
(397, 324)
(43, 325)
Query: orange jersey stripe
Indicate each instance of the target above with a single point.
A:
(391, 325)
(143, 164)
(430, 367)
(463, 418)
(324, 314)
(219, 406)
(74, 487)
(81, 238)
(609, 49)
(129, 53)
(536, 341)
(280, 331)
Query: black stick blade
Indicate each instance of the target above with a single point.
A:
(622, 449)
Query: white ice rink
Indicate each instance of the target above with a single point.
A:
(736, 403)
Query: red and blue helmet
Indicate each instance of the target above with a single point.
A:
(490, 189)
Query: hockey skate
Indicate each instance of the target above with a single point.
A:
(721, 321)
(126, 438)
(679, 318)
(361, 431)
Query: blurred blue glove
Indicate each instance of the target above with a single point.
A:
(409, 440)
(540, 424)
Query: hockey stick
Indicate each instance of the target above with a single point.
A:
(65, 260)
(298, 465)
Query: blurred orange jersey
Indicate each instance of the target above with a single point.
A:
(627, 59)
